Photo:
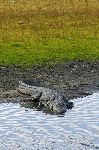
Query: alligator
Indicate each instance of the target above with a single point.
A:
(47, 98)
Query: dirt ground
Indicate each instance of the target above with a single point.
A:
(74, 79)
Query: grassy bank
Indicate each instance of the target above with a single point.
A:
(37, 32)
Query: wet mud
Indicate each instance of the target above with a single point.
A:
(74, 79)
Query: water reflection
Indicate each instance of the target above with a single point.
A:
(23, 128)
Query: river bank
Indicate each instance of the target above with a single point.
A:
(74, 79)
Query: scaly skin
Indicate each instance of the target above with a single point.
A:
(46, 97)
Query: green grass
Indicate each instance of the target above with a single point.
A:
(26, 54)
(48, 31)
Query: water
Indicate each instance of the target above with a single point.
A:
(27, 129)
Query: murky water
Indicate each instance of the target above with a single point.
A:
(27, 129)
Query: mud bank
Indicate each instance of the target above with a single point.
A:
(74, 79)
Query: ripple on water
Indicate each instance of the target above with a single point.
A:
(25, 129)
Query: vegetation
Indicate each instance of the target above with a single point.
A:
(44, 31)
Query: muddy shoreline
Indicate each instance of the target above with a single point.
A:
(74, 79)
